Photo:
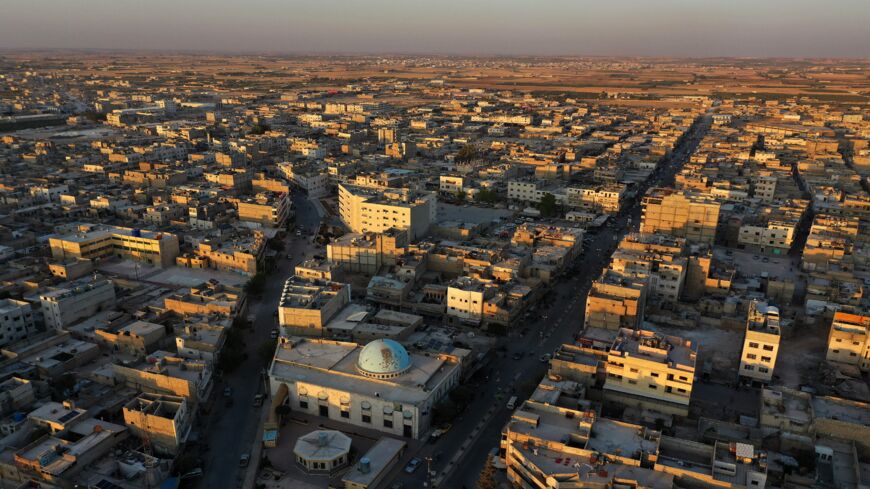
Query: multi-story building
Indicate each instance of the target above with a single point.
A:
(761, 342)
(161, 420)
(364, 209)
(649, 370)
(307, 305)
(16, 321)
(97, 241)
(450, 184)
(604, 199)
(615, 301)
(366, 253)
(680, 213)
(76, 300)
(378, 386)
(771, 229)
(269, 209)
(849, 340)
(465, 299)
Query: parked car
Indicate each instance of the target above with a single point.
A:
(258, 400)
(228, 391)
(413, 465)
(244, 460)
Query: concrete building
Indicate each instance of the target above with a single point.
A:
(849, 340)
(375, 464)
(267, 209)
(760, 343)
(615, 301)
(378, 386)
(165, 373)
(16, 321)
(682, 214)
(366, 253)
(651, 371)
(364, 209)
(307, 305)
(163, 422)
(322, 451)
(99, 241)
(604, 199)
(465, 299)
(76, 300)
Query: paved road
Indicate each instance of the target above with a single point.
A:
(230, 431)
(466, 447)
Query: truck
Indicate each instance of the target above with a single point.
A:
(512, 402)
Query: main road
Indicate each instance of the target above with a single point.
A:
(229, 431)
(458, 457)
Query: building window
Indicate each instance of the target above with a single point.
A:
(345, 413)
(388, 423)
(753, 344)
(303, 404)
(751, 356)
(366, 418)
(768, 347)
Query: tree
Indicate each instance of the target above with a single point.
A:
(460, 195)
(466, 153)
(259, 129)
(487, 195)
(486, 479)
(547, 205)
(256, 284)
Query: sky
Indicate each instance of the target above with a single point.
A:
(693, 28)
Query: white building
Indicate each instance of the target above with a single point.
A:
(465, 297)
(364, 209)
(378, 386)
(78, 300)
(16, 321)
(761, 343)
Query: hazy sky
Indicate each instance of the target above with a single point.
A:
(559, 27)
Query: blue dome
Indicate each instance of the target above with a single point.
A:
(383, 359)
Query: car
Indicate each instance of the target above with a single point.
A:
(228, 392)
(545, 358)
(244, 460)
(398, 485)
(765, 260)
(298, 233)
(413, 465)
(273, 334)
(518, 356)
(289, 256)
(258, 400)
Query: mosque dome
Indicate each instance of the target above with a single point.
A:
(383, 359)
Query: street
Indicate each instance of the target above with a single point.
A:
(466, 446)
(230, 431)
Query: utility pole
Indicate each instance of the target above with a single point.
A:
(428, 471)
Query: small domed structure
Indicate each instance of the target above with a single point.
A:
(322, 450)
(383, 359)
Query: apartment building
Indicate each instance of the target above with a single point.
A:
(532, 192)
(268, 209)
(465, 300)
(94, 242)
(760, 343)
(16, 321)
(307, 305)
(162, 421)
(450, 184)
(366, 253)
(77, 300)
(364, 209)
(649, 370)
(168, 374)
(605, 199)
(849, 340)
(679, 213)
(771, 229)
(615, 301)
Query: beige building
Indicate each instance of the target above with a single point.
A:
(615, 301)
(682, 214)
(377, 210)
(645, 369)
(366, 253)
(465, 300)
(604, 199)
(849, 340)
(77, 300)
(307, 305)
(98, 241)
(163, 422)
(761, 342)
(379, 386)
(268, 209)
(16, 321)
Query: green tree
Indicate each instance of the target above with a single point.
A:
(259, 129)
(266, 351)
(460, 195)
(487, 195)
(466, 153)
(256, 284)
(547, 205)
